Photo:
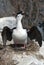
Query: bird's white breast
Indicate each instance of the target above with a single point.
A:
(19, 34)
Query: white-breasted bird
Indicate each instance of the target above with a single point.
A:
(19, 34)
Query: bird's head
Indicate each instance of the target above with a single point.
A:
(20, 14)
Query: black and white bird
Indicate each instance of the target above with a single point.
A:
(19, 34)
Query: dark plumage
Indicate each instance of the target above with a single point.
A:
(6, 34)
(34, 33)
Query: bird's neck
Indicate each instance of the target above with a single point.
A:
(19, 24)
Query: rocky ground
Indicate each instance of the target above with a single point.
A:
(33, 55)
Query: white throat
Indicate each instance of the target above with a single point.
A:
(19, 24)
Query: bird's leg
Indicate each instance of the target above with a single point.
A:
(15, 44)
(24, 46)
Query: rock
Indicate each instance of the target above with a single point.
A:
(9, 56)
(33, 63)
(41, 51)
